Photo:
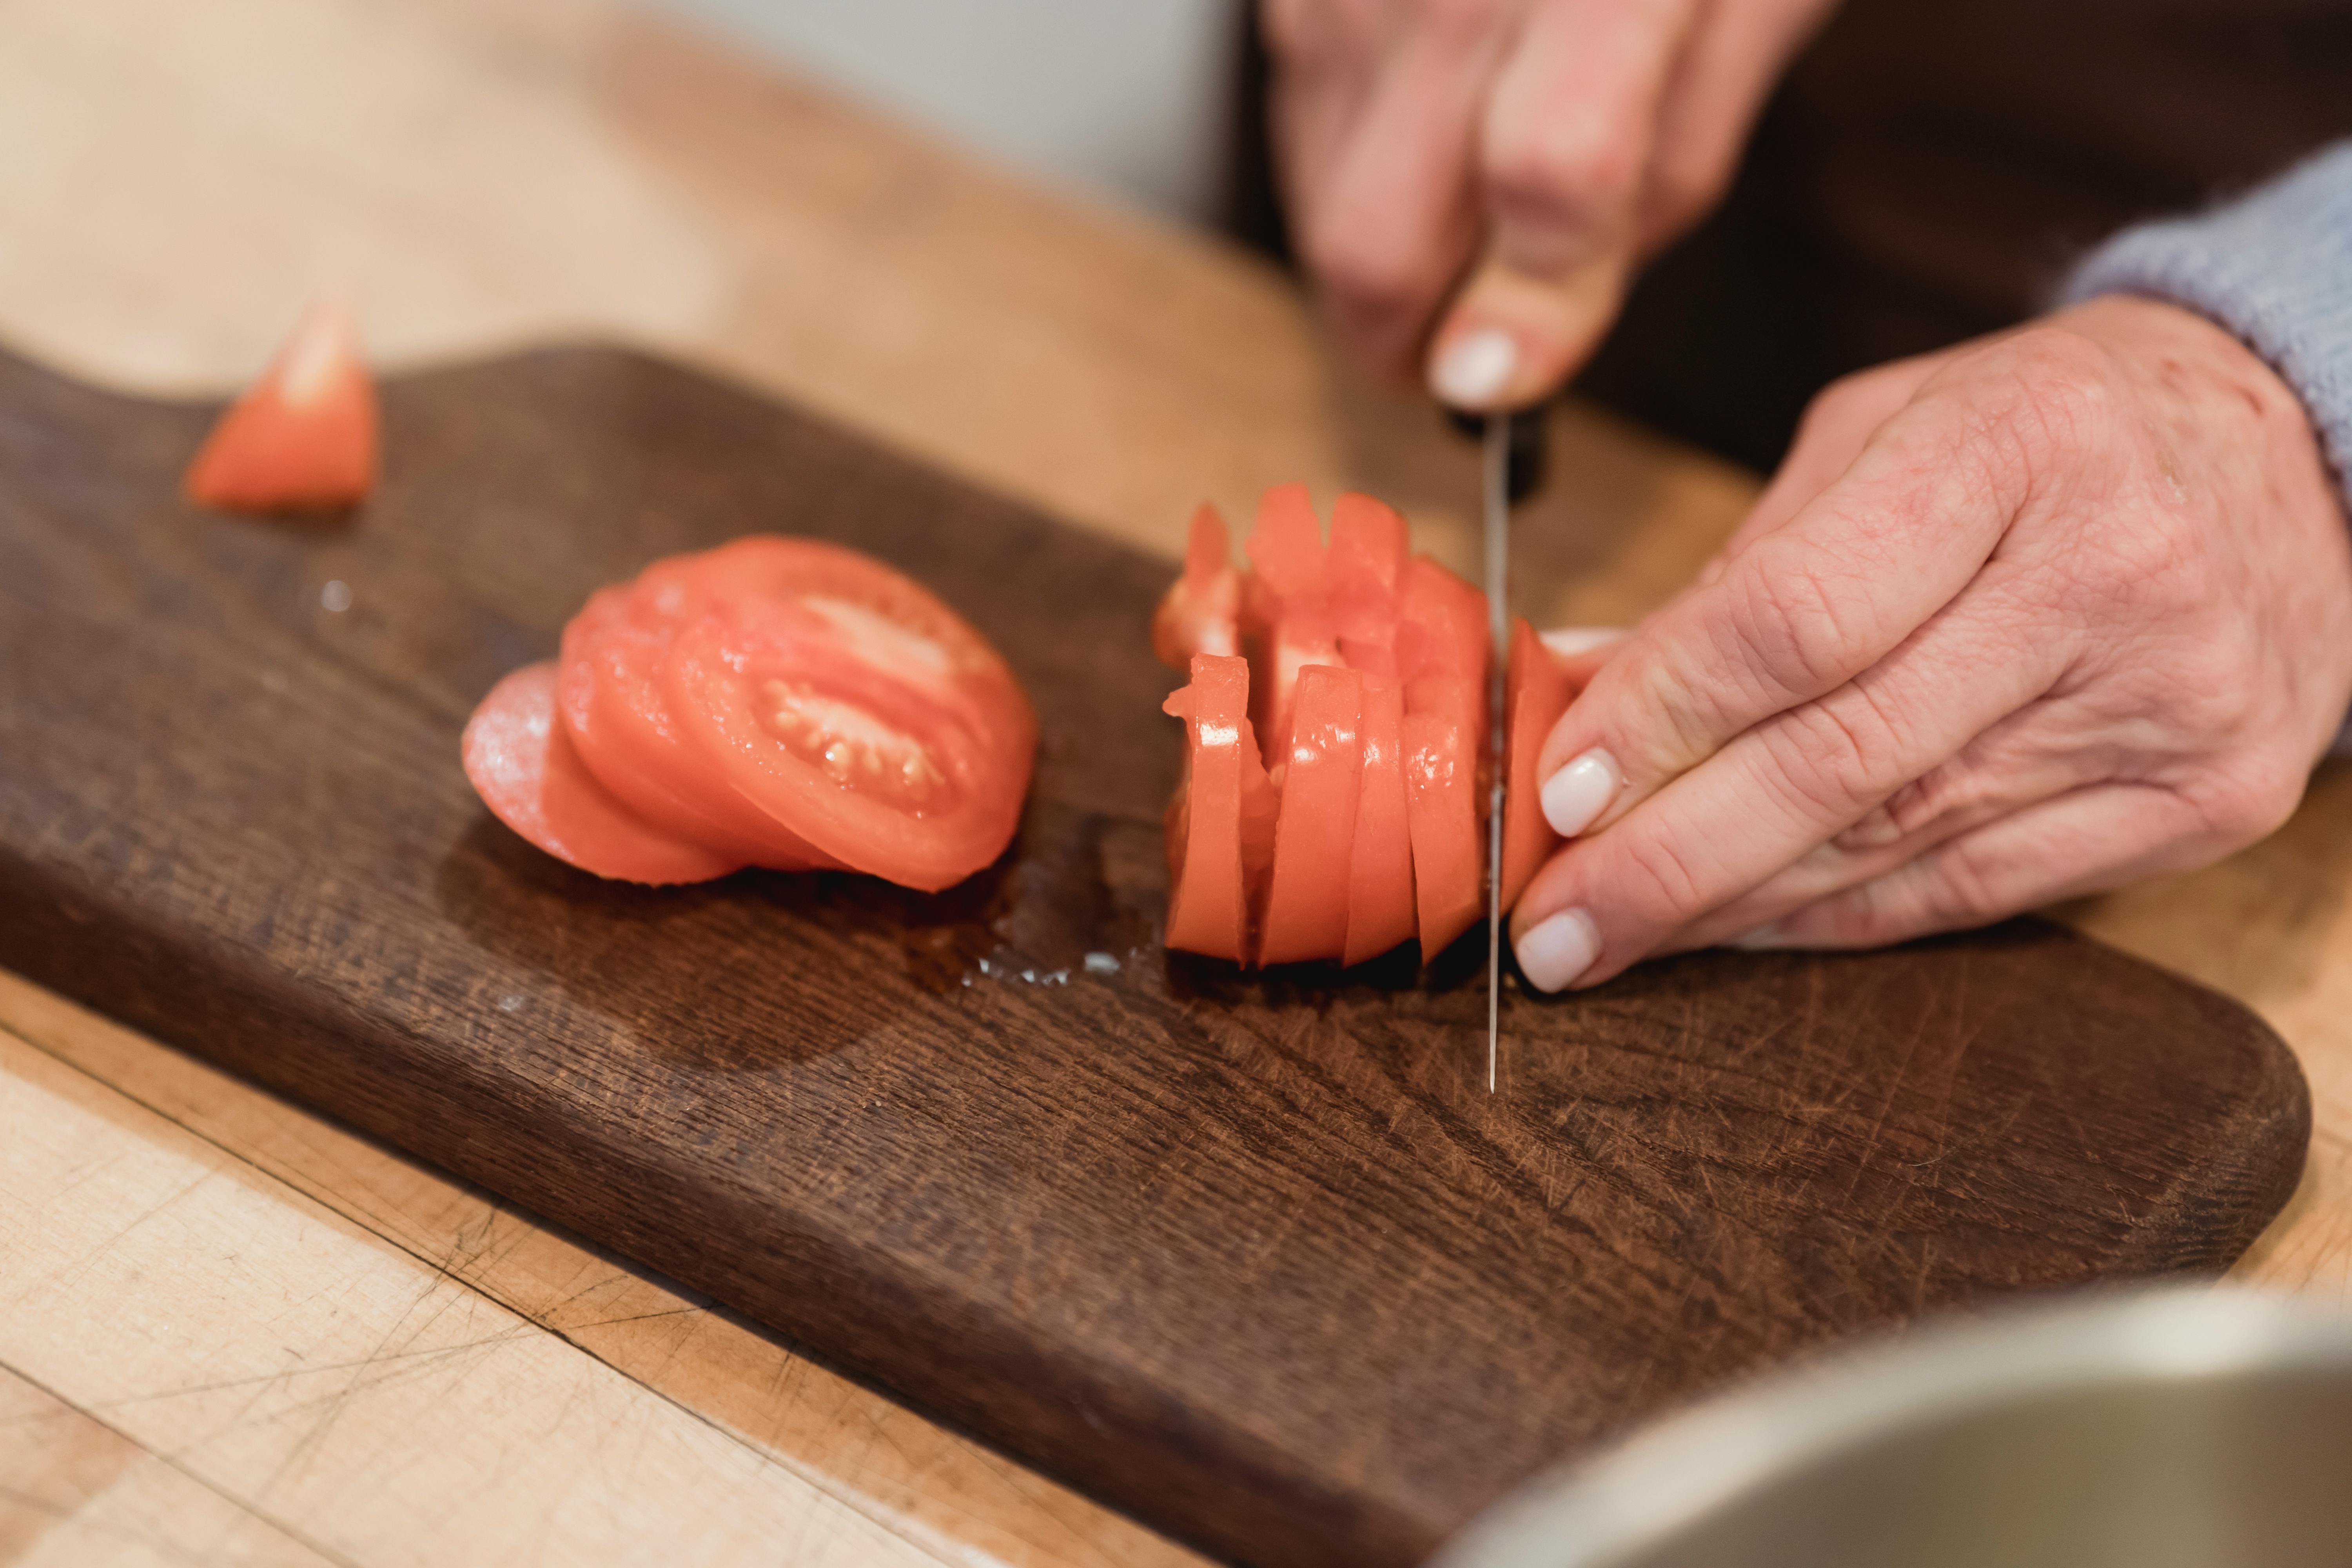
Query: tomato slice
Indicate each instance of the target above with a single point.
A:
(1202, 613)
(852, 707)
(522, 764)
(1306, 894)
(1369, 550)
(615, 705)
(1221, 824)
(1442, 643)
(304, 435)
(1379, 867)
(1289, 611)
(1537, 692)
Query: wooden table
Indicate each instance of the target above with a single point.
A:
(230, 1330)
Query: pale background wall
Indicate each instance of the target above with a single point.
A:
(1125, 99)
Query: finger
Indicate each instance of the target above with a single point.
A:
(2088, 841)
(1564, 152)
(1388, 224)
(1735, 56)
(1801, 611)
(1778, 793)
(2007, 770)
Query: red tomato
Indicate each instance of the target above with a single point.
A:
(1379, 867)
(1289, 611)
(1537, 693)
(1306, 894)
(1220, 824)
(1441, 782)
(851, 707)
(1202, 613)
(612, 701)
(304, 435)
(523, 765)
(1442, 642)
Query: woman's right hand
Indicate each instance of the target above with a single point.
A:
(1472, 182)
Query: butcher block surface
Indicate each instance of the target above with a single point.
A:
(1256, 1259)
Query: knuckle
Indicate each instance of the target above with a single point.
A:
(1658, 877)
(1839, 755)
(1563, 172)
(1789, 628)
(2235, 808)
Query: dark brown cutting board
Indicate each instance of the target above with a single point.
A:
(1257, 1259)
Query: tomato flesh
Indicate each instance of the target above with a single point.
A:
(1202, 613)
(521, 762)
(1306, 894)
(1367, 672)
(1219, 827)
(1380, 862)
(304, 435)
(1535, 693)
(797, 705)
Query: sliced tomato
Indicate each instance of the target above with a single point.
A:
(1289, 611)
(852, 707)
(614, 703)
(1220, 826)
(1306, 894)
(304, 435)
(1369, 549)
(1379, 867)
(1537, 693)
(1441, 782)
(522, 764)
(1442, 641)
(1202, 613)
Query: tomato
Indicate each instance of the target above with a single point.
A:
(1289, 611)
(1379, 863)
(611, 697)
(852, 707)
(304, 435)
(523, 763)
(1441, 781)
(1202, 613)
(1537, 692)
(1220, 824)
(1367, 555)
(1306, 894)
(1442, 642)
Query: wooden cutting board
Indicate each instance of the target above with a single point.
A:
(1256, 1257)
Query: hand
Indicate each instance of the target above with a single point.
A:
(1555, 144)
(2028, 619)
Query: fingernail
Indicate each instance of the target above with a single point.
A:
(1569, 641)
(1763, 939)
(1577, 794)
(1474, 372)
(1556, 950)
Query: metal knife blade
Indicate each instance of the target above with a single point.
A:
(1496, 512)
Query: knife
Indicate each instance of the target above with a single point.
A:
(1511, 467)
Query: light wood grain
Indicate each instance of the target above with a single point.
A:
(478, 173)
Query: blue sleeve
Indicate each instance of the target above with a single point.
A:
(2274, 267)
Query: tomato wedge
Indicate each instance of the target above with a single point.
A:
(1306, 894)
(1202, 613)
(522, 764)
(1379, 863)
(304, 435)
(1220, 824)
(1535, 693)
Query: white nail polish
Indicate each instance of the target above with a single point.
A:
(1474, 372)
(1556, 950)
(1574, 797)
(1763, 939)
(1569, 641)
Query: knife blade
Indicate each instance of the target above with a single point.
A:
(1495, 509)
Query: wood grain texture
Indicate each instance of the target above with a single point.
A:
(1255, 1258)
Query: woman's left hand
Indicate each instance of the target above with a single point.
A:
(2030, 619)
